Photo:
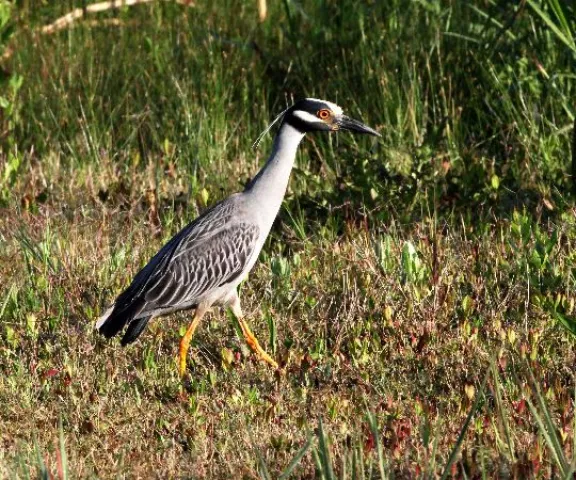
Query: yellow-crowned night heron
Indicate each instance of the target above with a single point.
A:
(206, 261)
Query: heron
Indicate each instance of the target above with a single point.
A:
(203, 264)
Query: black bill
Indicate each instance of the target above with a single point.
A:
(347, 123)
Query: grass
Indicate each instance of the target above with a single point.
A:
(419, 290)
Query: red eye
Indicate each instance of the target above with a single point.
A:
(323, 114)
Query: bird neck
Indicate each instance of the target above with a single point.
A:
(270, 184)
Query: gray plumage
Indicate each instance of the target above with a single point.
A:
(204, 263)
(207, 256)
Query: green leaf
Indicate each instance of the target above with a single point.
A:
(495, 182)
(569, 323)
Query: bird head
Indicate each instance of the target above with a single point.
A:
(311, 114)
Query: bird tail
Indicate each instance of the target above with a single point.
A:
(135, 328)
(115, 319)
(102, 320)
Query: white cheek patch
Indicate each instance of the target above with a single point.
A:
(305, 116)
(335, 108)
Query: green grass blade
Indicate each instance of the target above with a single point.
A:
(569, 323)
(551, 441)
(262, 467)
(43, 473)
(318, 463)
(557, 9)
(272, 333)
(324, 452)
(570, 472)
(504, 414)
(297, 459)
(546, 425)
(10, 294)
(344, 468)
(357, 464)
(553, 27)
(379, 451)
(464, 428)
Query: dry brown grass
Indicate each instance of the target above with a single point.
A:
(352, 334)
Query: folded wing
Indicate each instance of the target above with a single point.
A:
(212, 251)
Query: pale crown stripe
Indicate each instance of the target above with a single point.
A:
(335, 108)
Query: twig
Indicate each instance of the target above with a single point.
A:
(74, 15)
(106, 22)
(262, 10)
(78, 13)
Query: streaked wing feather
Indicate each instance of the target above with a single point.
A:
(201, 228)
(204, 265)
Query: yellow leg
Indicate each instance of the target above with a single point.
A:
(251, 340)
(185, 342)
